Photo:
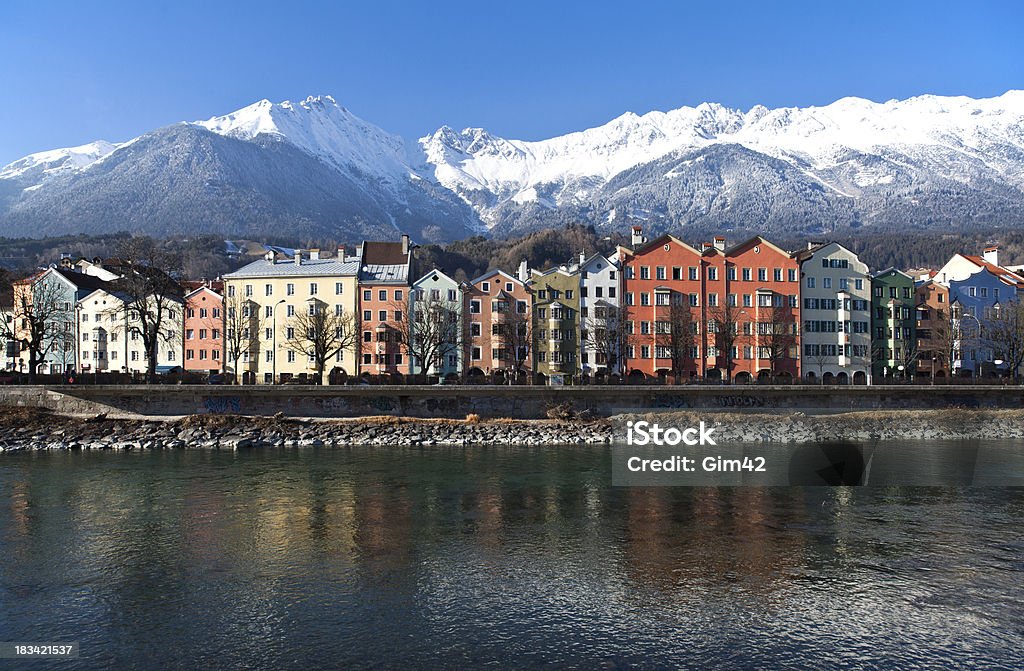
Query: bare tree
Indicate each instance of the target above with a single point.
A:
(432, 331)
(1004, 333)
(677, 334)
(153, 299)
(320, 334)
(777, 335)
(606, 335)
(725, 324)
(514, 330)
(242, 326)
(41, 321)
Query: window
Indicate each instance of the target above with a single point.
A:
(268, 289)
(382, 315)
(367, 315)
(746, 274)
(645, 273)
(777, 274)
(398, 294)
(248, 290)
(712, 273)
(338, 288)
(659, 273)
(826, 283)
(485, 287)
(189, 334)
(810, 282)
(762, 274)
(792, 275)
(474, 307)
(367, 295)
(382, 294)
(692, 272)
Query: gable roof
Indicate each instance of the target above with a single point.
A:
(1007, 276)
(756, 240)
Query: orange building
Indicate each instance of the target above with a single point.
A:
(498, 316)
(203, 324)
(383, 304)
(935, 338)
(752, 288)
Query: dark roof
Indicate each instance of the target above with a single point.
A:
(83, 281)
(384, 254)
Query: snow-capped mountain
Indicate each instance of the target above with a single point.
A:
(850, 162)
(314, 169)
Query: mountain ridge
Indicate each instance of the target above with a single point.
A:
(925, 162)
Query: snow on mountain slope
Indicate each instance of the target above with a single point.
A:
(931, 161)
(321, 127)
(46, 164)
(483, 168)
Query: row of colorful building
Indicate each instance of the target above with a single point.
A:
(658, 308)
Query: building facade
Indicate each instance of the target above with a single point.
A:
(110, 338)
(556, 325)
(263, 304)
(435, 310)
(600, 316)
(383, 303)
(934, 330)
(894, 326)
(498, 315)
(203, 330)
(835, 315)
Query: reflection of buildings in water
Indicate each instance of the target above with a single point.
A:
(689, 539)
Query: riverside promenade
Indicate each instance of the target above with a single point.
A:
(493, 402)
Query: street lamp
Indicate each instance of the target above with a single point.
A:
(273, 340)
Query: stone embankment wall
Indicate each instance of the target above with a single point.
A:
(33, 429)
(455, 402)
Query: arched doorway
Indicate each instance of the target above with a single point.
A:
(248, 377)
(337, 376)
(828, 378)
(636, 377)
(498, 377)
(860, 377)
(785, 377)
(743, 377)
(714, 375)
(811, 377)
(843, 378)
(764, 376)
(475, 376)
(542, 378)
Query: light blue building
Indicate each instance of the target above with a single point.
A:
(436, 309)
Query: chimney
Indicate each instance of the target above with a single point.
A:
(270, 256)
(720, 243)
(992, 255)
(341, 253)
(65, 260)
(314, 255)
(298, 257)
(583, 258)
(405, 244)
(524, 272)
(705, 246)
(638, 235)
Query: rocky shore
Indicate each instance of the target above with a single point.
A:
(35, 429)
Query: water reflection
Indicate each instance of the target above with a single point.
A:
(512, 557)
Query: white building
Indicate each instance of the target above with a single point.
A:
(600, 281)
(835, 315)
(109, 342)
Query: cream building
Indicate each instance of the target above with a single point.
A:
(110, 342)
(261, 301)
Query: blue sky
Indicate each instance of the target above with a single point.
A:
(72, 72)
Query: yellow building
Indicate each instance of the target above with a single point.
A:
(263, 302)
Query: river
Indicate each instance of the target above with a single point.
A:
(499, 557)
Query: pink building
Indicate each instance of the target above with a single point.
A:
(203, 324)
